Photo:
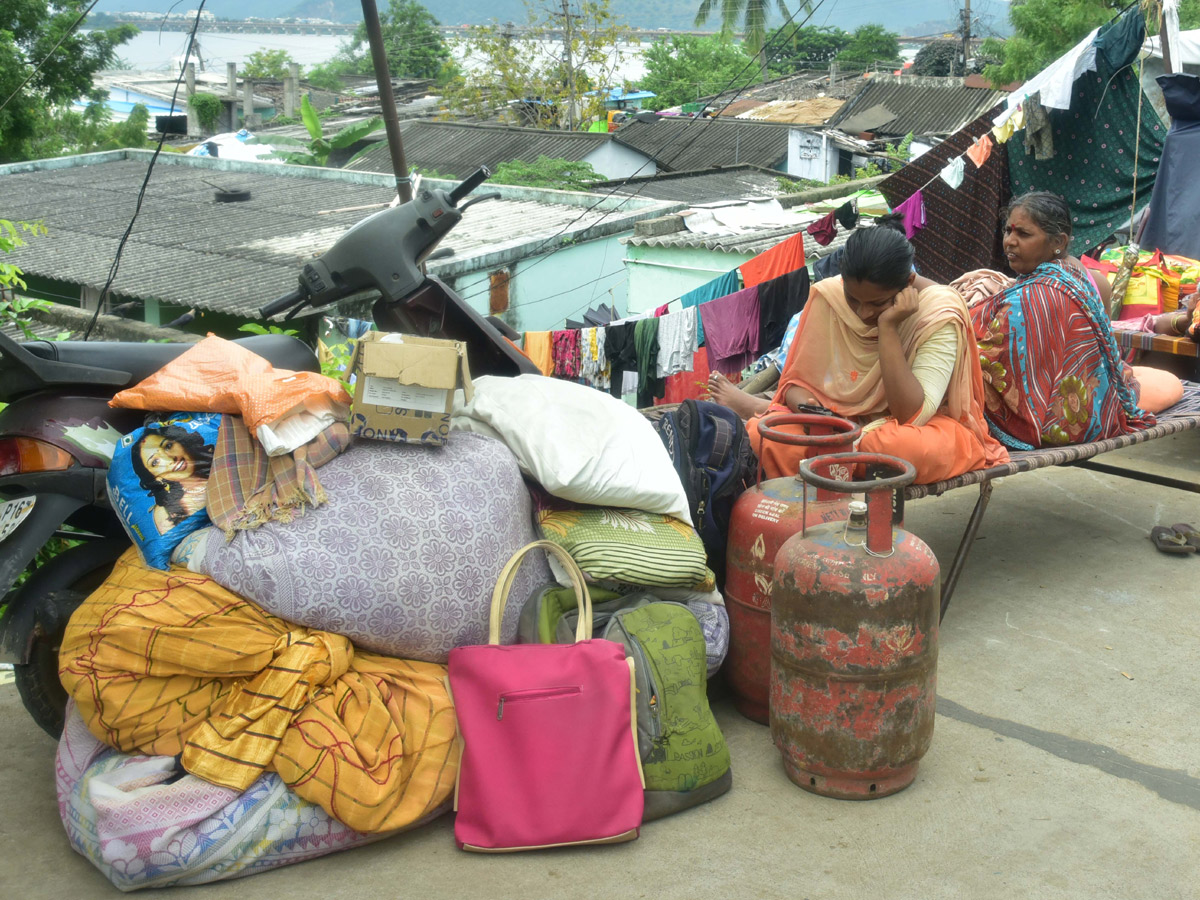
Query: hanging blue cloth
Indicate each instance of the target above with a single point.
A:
(719, 287)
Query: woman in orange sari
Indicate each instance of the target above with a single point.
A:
(894, 352)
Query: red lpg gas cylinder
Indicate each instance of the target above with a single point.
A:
(854, 628)
(763, 518)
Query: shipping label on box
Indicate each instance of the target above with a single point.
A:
(404, 387)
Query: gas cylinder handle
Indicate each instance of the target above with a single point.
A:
(838, 433)
(879, 520)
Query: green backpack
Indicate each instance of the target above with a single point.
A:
(684, 755)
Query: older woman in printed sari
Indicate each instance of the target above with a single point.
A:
(1052, 371)
(893, 351)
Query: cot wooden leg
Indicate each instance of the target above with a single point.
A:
(964, 547)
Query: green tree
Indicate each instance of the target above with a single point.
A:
(415, 48)
(939, 58)
(870, 44)
(265, 63)
(560, 174)
(684, 68)
(792, 49)
(753, 14)
(29, 29)
(510, 71)
(316, 151)
(1043, 30)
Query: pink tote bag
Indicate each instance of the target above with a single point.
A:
(549, 734)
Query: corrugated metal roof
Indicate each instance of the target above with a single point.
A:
(704, 186)
(752, 242)
(680, 144)
(455, 149)
(795, 112)
(920, 106)
(191, 251)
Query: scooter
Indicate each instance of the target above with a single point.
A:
(58, 433)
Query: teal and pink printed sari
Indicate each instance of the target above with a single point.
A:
(1052, 373)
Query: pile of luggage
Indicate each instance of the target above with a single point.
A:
(262, 678)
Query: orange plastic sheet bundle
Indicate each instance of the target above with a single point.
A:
(220, 376)
(171, 663)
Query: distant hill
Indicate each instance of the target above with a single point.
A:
(902, 16)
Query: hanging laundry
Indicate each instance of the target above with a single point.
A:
(662, 310)
(952, 174)
(540, 349)
(719, 287)
(676, 342)
(913, 212)
(979, 151)
(1039, 133)
(689, 385)
(778, 301)
(619, 348)
(847, 215)
(731, 324)
(824, 230)
(780, 259)
(645, 342)
(566, 353)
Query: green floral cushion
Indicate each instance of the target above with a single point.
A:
(629, 546)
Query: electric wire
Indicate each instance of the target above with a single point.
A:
(116, 264)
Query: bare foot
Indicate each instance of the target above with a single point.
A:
(723, 391)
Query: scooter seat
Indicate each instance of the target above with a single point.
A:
(142, 360)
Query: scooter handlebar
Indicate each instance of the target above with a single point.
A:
(287, 301)
(472, 181)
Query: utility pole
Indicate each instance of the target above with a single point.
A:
(966, 36)
(567, 16)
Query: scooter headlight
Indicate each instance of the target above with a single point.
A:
(21, 455)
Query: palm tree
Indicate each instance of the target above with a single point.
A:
(753, 14)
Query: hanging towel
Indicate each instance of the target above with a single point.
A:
(662, 310)
(847, 215)
(782, 258)
(676, 342)
(1039, 133)
(979, 151)
(731, 324)
(566, 353)
(824, 230)
(952, 174)
(913, 211)
(719, 287)
(778, 301)
(621, 355)
(645, 342)
(540, 349)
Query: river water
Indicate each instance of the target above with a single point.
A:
(152, 51)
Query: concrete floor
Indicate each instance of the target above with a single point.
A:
(1065, 760)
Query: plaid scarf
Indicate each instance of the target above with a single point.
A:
(247, 488)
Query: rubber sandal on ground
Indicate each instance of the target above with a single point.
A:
(1189, 533)
(1168, 540)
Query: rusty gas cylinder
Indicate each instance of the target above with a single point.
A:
(763, 518)
(854, 628)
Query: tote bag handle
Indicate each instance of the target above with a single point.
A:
(583, 630)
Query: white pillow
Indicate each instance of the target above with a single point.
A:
(579, 443)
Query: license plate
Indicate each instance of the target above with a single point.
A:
(13, 513)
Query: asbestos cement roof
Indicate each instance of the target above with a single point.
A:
(916, 105)
(187, 250)
(795, 112)
(683, 143)
(747, 242)
(705, 185)
(456, 149)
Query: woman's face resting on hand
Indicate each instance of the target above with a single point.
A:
(868, 300)
(1027, 245)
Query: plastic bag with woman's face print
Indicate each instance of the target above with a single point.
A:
(158, 481)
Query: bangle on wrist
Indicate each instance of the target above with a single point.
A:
(1179, 324)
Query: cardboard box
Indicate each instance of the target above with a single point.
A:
(404, 387)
